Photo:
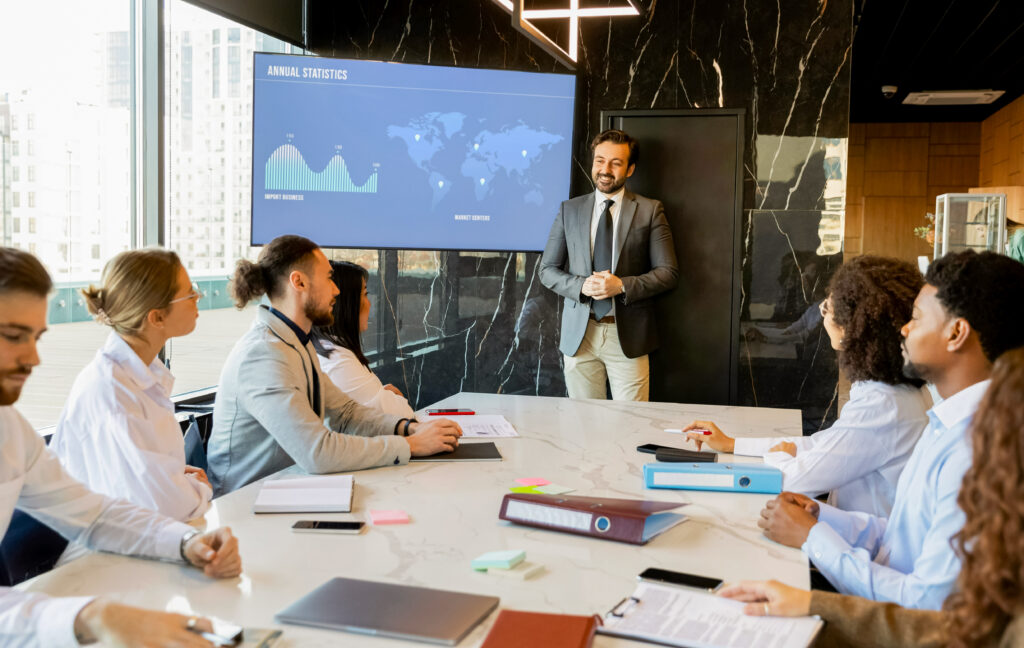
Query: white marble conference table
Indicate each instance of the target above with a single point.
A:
(587, 445)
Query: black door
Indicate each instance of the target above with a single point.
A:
(691, 160)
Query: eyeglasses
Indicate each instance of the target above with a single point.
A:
(196, 294)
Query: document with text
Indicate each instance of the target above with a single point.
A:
(487, 426)
(680, 617)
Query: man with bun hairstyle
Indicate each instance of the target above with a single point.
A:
(275, 407)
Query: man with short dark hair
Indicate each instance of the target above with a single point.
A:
(32, 480)
(273, 397)
(609, 254)
(967, 314)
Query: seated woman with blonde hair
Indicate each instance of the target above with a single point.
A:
(987, 607)
(341, 352)
(117, 433)
(857, 460)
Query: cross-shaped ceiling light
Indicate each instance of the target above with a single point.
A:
(522, 20)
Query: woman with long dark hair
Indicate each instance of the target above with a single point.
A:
(987, 607)
(858, 459)
(340, 348)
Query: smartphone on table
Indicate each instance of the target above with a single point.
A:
(680, 579)
(328, 526)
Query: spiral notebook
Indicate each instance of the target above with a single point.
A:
(674, 616)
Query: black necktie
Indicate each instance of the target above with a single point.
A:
(603, 255)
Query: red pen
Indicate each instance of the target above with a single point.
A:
(450, 412)
(679, 431)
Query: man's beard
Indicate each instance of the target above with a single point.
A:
(10, 396)
(615, 185)
(911, 370)
(324, 317)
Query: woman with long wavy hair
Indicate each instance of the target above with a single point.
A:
(987, 609)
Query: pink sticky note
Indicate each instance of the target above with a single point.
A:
(389, 517)
(533, 481)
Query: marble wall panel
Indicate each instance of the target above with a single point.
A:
(453, 321)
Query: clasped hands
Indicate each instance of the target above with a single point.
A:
(788, 518)
(602, 285)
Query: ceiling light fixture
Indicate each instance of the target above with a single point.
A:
(522, 20)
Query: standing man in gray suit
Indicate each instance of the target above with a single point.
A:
(609, 253)
(273, 397)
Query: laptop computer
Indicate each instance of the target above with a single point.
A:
(388, 610)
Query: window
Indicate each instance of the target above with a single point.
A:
(69, 106)
(206, 190)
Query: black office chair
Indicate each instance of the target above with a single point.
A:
(195, 451)
(29, 548)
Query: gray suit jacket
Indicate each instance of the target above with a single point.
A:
(263, 419)
(644, 259)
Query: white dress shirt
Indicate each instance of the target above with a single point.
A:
(595, 219)
(118, 434)
(906, 558)
(359, 383)
(32, 479)
(859, 459)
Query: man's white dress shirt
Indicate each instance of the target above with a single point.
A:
(33, 480)
(118, 434)
(859, 459)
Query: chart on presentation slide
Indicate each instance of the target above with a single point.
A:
(370, 154)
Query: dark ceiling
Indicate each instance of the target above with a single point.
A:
(935, 45)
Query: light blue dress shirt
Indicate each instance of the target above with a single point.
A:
(907, 558)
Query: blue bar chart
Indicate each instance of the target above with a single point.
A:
(287, 170)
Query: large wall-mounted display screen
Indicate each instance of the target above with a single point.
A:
(364, 154)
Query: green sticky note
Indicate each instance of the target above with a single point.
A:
(499, 559)
(554, 489)
(525, 489)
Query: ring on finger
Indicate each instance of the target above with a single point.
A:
(191, 623)
(767, 609)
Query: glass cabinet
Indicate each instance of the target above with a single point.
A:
(970, 221)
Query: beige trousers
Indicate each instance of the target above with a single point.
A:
(599, 357)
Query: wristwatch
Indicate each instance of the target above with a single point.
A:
(184, 541)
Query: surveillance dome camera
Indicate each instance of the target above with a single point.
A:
(889, 91)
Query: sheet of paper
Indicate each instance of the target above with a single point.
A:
(682, 617)
(485, 426)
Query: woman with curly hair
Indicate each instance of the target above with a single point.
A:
(859, 459)
(987, 608)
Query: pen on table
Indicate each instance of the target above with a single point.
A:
(679, 431)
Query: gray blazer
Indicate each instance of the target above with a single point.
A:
(644, 259)
(263, 420)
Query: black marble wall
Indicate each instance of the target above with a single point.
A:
(449, 321)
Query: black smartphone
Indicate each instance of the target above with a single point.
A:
(324, 526)
(678, 578)
(652, 448)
